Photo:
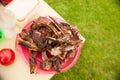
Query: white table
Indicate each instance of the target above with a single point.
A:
(19, 70)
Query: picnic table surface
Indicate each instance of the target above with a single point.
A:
(19, 70)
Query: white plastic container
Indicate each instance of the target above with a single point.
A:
(7, 22)
(24, 10)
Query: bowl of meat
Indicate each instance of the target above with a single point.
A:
(49, 45)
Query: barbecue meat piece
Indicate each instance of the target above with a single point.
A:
(46, 34)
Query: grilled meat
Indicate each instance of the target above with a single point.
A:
(47, 35)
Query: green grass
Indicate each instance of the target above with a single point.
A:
(99, 22)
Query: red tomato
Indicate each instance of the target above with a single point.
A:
(7, 56)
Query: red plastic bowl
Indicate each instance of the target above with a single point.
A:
(67, 64)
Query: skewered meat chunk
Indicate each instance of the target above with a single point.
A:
(46, 63)
(48, 35)
(56, 64)
(33, 62)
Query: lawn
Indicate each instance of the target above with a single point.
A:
(99, 22)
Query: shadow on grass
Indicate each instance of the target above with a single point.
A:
(118, 2)
(118, 73)
(118, 77)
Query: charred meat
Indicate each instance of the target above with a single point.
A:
(48, 35)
